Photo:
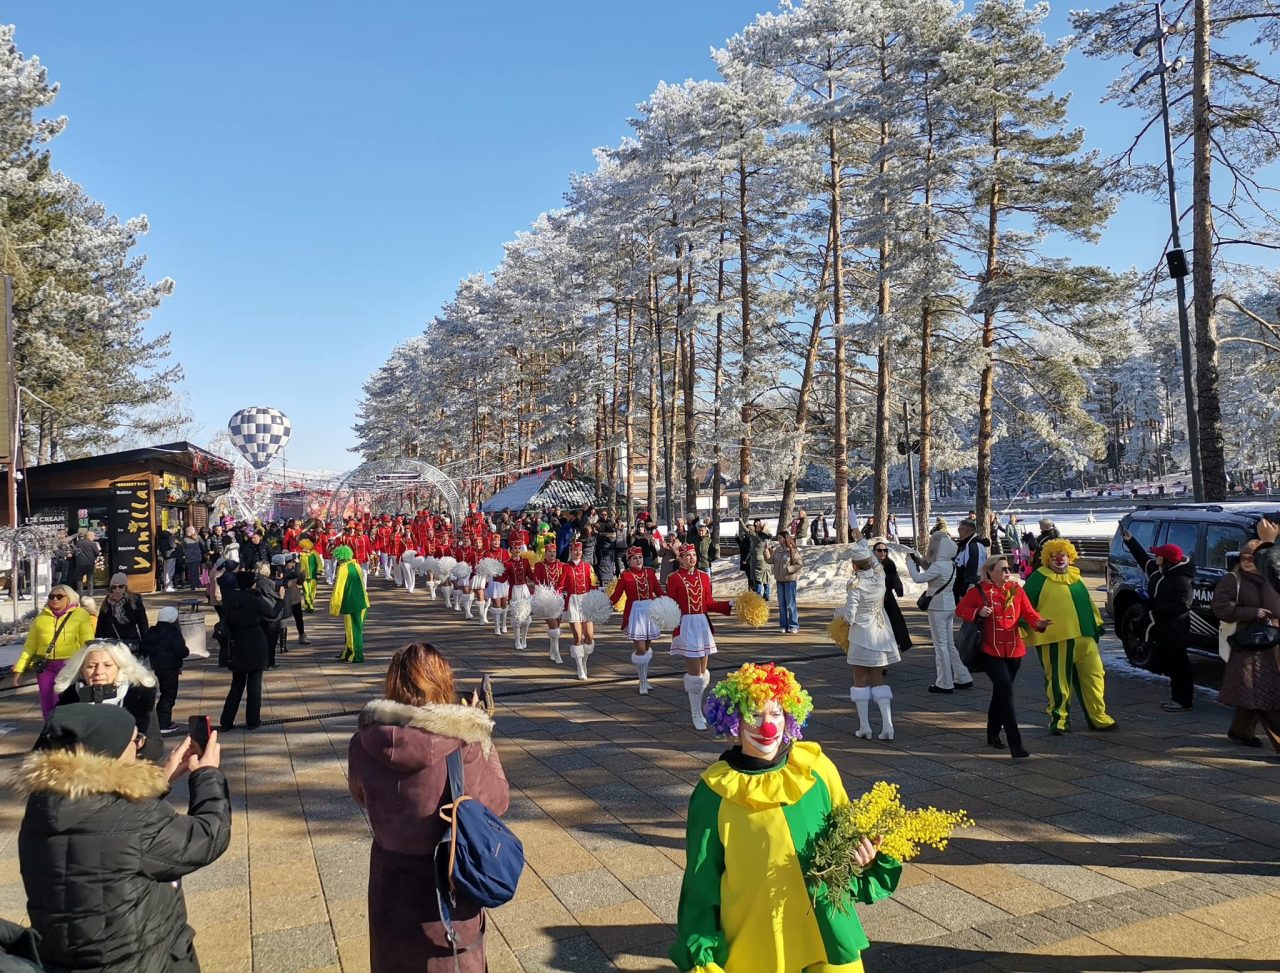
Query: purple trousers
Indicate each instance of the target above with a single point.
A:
(49, 698)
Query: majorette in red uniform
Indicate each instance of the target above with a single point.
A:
(382, 545)
(640, 585)
(694, 638)
(576, 580)
(292, 534)
(548, 572)
(495, 591)
(519, 580)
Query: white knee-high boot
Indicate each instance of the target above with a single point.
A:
(579, 653)
(484, 611)
(883, 696)
(554, 635)
(458, 596)
(695, 686)
(448, 596)
(467, 603)
(498, 614)
(641, 662)
(861, 696)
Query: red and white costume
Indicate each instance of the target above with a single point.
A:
(640, 588)
(694, 637)
(575, 581)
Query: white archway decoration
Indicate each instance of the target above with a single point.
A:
(394, 480)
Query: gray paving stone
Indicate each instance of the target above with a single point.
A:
(344, 869)
(568, 760)
(299, 948)
(227, 872)
(948, 906)
(576, 954)
(892, 922)
(661, 893)
(1073, 881)
(595, 888)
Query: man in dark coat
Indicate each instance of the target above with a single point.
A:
(85, 552)
(101, 850)
(244, 612)
(1170, 577)
(253, 552)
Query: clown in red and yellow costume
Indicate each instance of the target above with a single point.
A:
(639, 586)
(694, 637)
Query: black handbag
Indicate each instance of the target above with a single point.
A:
(1255, 637)
(925, 599)
(969, 644)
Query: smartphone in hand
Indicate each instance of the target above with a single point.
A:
(199, 728)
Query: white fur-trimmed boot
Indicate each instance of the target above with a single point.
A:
(579, 653)
(498, 614)
(554, 655)
(861, 696)
(458, 595)
(467, 603)
(522, 628)
(883, 696)
(695, 686)
(641, 662)
(484, 613)
(448, 596)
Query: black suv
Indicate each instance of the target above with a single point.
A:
(1209, 534)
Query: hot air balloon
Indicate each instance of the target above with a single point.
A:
(259, 433)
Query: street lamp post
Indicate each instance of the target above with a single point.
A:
(1176, 258)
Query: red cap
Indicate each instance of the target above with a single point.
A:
(1172, 553)
(635, 552)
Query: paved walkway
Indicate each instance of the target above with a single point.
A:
(1153, 847)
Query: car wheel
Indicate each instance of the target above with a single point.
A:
(1136, 648)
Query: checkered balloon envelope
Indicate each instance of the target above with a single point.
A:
(259, 433)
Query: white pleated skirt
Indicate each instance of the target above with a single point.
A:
(640, 624)
(573, 611)
(695, 639)
(497, 589)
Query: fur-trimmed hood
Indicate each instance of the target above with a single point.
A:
(76, 774)
(448, 720)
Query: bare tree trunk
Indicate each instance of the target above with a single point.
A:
(923, 512)
(884, 411)
(789, 485)
(628, 429)
(717, 382)
(987, 385)
(744, 300)
(1208, 403)
(840, 427)
(690, 427)
(652, 466)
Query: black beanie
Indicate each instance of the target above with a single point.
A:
(105, 730)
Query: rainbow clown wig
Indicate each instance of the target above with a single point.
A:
(743, 694)
(1057, 546)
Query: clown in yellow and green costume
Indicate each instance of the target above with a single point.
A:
(310, 567)
(1068, 649)
(351, 601)
(744, 905)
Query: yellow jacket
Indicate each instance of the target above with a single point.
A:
(78, 630)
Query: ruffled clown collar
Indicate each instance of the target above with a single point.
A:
(781, 786)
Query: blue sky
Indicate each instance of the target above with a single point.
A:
(320, 175)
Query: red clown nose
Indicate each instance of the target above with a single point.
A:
(768, 730)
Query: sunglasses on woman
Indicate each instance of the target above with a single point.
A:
(881, 550)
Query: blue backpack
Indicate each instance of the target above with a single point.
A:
(478, 859)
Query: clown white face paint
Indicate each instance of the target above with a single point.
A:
(1060, 562)
(764, 738)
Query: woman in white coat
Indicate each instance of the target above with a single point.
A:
(938, 572)
(872, 646)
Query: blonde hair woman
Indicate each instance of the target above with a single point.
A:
(59, 630)
(107, 672)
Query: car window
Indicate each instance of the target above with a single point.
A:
(1143, 531)
(1221, 540)
(1184, 534)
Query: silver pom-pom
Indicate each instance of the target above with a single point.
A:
(546, 602)
(420, 564)
(521, 611)
(665, 613)
(461, 571)
(431, 565)
(408, 556)
(489, 568)
(446, 565)
(596, 606)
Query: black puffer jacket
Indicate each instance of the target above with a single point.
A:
(164, 647)
(99, 849)
(1169, 592)
(132, 629)
(244, 613)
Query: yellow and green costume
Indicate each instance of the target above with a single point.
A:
(1068, 650)
(311, 567)
(744, 906)
(351, 601)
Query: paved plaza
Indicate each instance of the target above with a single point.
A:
(1153, 847)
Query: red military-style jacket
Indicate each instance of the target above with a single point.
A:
(518, 572)
(576, 579)
(692, 592)
(642, 585)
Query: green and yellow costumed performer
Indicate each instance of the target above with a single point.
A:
(311, 567)
(744, 905)
(351, 601)
(1068, 649)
